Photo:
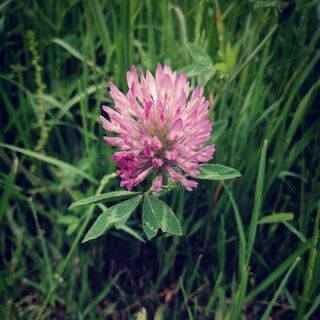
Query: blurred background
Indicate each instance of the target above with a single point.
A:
(258, 62)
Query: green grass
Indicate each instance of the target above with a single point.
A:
(236, 258)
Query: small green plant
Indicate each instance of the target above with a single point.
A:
(160, 133)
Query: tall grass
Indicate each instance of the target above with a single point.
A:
(258, 61)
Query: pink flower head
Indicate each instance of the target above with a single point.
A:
(161, 129)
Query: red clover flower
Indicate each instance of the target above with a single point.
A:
(162, 129)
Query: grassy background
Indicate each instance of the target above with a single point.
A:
(258, 62)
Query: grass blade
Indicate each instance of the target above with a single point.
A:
(240, 294)
(273, 276)
(185, 299)
(257, 201)
(76, 54)
(240, 229)
(310, 266)
(295, 231)
(313, 308)
(100, 25)
(43, 244)
(213, 297)
(268, 310)
(276, 218)
(50, 160)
